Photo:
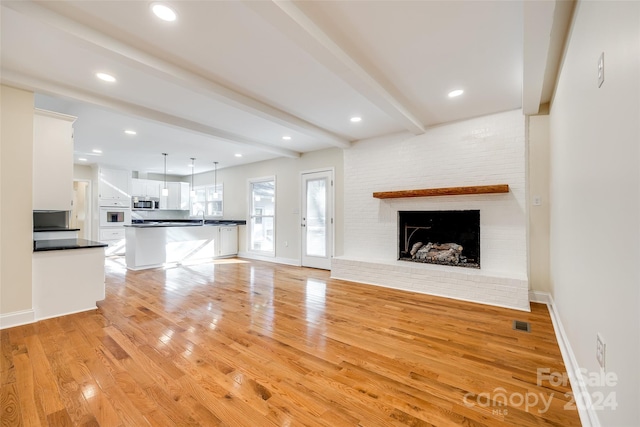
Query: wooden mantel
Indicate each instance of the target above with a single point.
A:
(449, 191)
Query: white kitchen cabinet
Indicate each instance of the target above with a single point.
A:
(137, 187)
(52, 161)
(67, 281)
(113, 187)
(227, 240)
(152, 188)
(146, 188)
(178, 198)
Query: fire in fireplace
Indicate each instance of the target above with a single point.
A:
(440, 237)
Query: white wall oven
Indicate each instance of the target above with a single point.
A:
(114, 216)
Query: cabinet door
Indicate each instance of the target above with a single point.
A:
(153, 188)
(184, 196)
(228, 242)
(52, 161)
(122, 179)
(114, 184)
(138, 187)
(174, 195)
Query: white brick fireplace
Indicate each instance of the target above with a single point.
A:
(483, 151)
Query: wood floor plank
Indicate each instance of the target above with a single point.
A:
(10, 404)
(249, 343)
(7, 368)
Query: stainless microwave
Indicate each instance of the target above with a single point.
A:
(145, 204)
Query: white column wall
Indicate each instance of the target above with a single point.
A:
(595, 202)
(16, 217)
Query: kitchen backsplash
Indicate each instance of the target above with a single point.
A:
(159, 214)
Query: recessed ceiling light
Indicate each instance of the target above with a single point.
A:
(356, 119)
(106, 77)
(97, 151)
(164, 12)
(82, 159)
(286, 138)
(238, 155)
(455, 93)
(130, 132)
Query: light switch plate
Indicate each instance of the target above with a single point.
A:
(601, 69)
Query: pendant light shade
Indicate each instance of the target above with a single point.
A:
(165, 190)
(193, 168)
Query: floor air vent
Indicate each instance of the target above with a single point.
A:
(519, 325)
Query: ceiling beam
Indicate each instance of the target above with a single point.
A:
(538, 23)
(22, 81)
(176, 74)
(301, 29)
(562, 17)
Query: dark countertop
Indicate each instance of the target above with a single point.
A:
(64, 244)
(35, 230)
(184, 223)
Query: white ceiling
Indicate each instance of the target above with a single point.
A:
(234, 77)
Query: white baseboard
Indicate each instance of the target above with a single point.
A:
(81, 310)
(17, 318)
(540, 297)
(278, 260)
(588, 416)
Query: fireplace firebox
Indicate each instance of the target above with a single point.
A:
(440, 237)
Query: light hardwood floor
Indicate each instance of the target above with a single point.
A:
(241, 343)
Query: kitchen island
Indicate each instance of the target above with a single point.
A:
(152, 244)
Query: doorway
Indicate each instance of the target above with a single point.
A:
(81, 208)
(317, 219)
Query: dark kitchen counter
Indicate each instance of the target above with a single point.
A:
(55, 229)
(184, 223)
(65, 244)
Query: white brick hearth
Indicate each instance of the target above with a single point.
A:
(451, 282)
(482, 151)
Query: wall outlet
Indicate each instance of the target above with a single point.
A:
(537, 200)
(600, 350)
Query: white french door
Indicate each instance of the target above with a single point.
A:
(317, 219)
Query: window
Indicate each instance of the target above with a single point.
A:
(262, 214)
(208, 199)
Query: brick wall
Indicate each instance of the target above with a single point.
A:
(481, 151)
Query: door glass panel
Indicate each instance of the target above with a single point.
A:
(262, 216)
(316, 229)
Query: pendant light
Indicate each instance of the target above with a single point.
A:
(215, 180)
(193, 168)
(165, 190)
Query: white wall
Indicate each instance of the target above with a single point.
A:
(538, 183)
(16, 218)
(288, 195)
(82, 172)
(482, 151)
(595, 198)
